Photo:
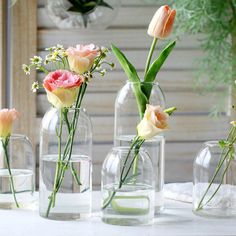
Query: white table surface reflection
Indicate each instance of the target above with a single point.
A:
(176, 220)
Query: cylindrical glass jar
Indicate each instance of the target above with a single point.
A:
(17, 173)
(126, 120)
(133, 202)
(98, 18)
(69, 165)
(214, 190)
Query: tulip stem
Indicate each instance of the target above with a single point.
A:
(4, 144)
(149, 58)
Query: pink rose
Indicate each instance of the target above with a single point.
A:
(153, 122)
(81, 58)
(162, 22)
(62, 88)
(7, 116)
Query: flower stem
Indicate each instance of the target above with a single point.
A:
(137, 143)
(219, 165)
(4, 144)
(149, 58)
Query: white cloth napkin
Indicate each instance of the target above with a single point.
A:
(179, 191)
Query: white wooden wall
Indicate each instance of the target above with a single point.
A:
(191, 125)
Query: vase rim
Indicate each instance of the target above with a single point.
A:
(126, 148)
(212, 143)
(141, 82)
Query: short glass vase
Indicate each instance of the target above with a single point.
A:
(214, 190)
(65, 185)
(126, 119)
(132, 202)
(17, 173)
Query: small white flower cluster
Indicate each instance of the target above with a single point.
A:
(35, 87)
(57, 53)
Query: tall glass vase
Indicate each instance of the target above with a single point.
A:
(65, 166)
(17, 173)
(214, 190)
(126, 119)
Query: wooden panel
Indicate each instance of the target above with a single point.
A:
(3, 52)
(170, 81)
(24, 42)
(127, 17)
(178, 60)
(186, 102)
(140, 3)
(183, 128)
(124, 38)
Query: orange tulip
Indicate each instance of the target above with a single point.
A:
(162, 22)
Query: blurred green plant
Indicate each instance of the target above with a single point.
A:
(215, 23)
(86, 6)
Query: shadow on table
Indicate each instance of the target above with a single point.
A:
(170, 216)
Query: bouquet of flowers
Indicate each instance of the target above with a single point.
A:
(68, 72)
(154, 119)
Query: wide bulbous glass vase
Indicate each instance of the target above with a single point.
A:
(127, 118)
(98, 18)
(17, 173)
(130, 202)
(65, 165)
(214, 179)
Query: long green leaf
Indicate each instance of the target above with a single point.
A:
(155, 68)
(128, 68)
(132, 75)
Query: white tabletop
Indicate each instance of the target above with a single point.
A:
(176, 220)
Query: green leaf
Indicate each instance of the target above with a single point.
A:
(132, 75)
(222, 143)
(155, 67)
(128, 68)
(104, 4)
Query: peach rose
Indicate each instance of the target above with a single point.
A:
(153, 122)
(7, 116)
(62, 88)
(81, 58)
(162, 22)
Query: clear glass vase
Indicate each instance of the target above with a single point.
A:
(97, 19)
(126, 119)
(214, 190)
(133, 201)
(17, 173)
(65, 170)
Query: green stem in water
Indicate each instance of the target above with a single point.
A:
(149, 58)
(137, 144)
(220, 164)
(4, 144)
(58, 168)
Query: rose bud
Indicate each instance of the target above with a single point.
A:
(162, 22)
(62, 88)
(81, 58)
(153, 122)
(7, 116)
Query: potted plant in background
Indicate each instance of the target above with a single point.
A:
(82, 14)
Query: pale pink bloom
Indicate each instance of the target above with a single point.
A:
(62, 87)
(81, 58)
(162, 22)
(153, 122)
(7, 116)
